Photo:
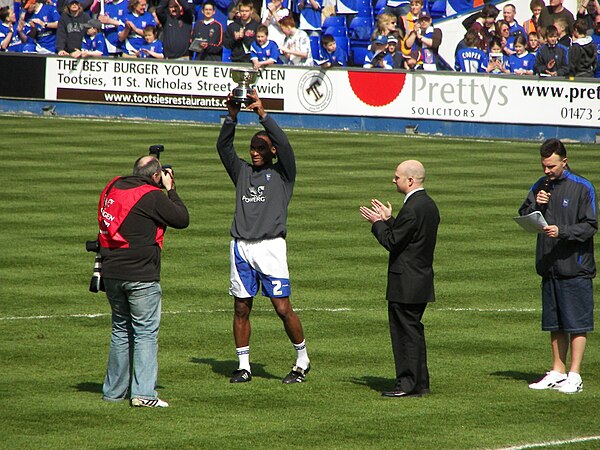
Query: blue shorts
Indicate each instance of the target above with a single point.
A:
(568, 305)
(259, 263)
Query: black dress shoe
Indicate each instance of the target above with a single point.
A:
(398, 394)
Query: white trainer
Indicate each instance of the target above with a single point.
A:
(154, 403)
(552, 380)
(572, 385)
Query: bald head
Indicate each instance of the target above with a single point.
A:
(413, 168)
(146, 166)
(410, 175)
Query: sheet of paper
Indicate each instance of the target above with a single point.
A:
(533, 223)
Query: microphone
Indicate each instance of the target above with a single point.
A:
(547, 187)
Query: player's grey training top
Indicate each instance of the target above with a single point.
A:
(262, 193)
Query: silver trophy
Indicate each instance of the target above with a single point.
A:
(246, 79)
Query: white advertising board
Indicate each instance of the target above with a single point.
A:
(352, 92)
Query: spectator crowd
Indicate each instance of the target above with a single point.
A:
(384, 34)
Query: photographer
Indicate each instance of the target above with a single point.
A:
(133, 214)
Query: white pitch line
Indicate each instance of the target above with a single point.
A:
(490, 309)
(552, 443)
(227, 310)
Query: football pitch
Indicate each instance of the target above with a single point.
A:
(484, 339)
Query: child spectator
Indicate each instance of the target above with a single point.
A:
(70, 32)
(43, 21)
(536, 7)
(176, 18)
(131, 30)
(93, 44)
(497, 60)
(533, 42)
(12, 37)
(471, 59)
(222, 10)
(240, 33)
(210, 32)
(377, 57)
(562, 26)
(114, 15)
(272, 14)
(424, 40)
(153, 48)
(331, 55)
(551, 60)
(395, 53)
(582, 54)
(296, 46)
(263, 52)
(522, 62)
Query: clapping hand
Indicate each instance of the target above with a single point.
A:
(377, 212)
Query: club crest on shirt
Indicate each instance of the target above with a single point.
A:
(268, 177)
(565, 202)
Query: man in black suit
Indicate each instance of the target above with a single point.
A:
(410, 238)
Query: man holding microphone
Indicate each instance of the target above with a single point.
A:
(565, 261)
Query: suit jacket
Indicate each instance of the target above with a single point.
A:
(410, 238)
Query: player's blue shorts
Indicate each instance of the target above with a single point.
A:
(259, 262)
(567, 305)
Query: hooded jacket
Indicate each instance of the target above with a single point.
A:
(582, 58)
(70, 32)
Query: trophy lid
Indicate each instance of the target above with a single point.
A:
(243, 75)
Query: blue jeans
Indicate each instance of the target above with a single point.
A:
(133, 357)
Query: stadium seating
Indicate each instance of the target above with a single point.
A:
(358, 52)
(226, 56)
(360, 29)
(315, 46)
(345, 7)
(341, 37)
(379, 7)
(364, 11)
(336, 31)
(437, 8)
(334, 21)
(344, 43)
(363, 4)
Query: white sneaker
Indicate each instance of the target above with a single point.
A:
(572, 385)
(154, 403)
(552, 380)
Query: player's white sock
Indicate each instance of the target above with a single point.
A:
(302, 360)
(243, 354)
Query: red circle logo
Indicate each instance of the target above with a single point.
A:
(376, 88)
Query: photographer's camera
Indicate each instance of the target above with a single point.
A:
(155, 150)
(96, 283)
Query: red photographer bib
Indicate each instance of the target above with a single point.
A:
(114, 206)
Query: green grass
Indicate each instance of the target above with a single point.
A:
(484, 337)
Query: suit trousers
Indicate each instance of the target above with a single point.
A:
(408, 345)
